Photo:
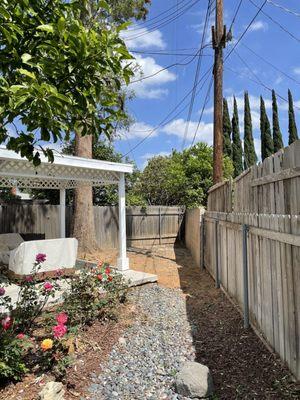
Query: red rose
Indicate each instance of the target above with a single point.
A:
(110, 278)
(20, 336)
(99, 277)
(48, 286)
(62, 318)
(59, 331)
(6, 323)
(107, 271)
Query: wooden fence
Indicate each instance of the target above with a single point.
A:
(252, 248)
(145, 226)
(272, 272)
(272, 187)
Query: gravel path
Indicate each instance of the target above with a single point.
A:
(147, 357)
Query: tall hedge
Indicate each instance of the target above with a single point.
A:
(250, 157)
(237, 151)
(267, 145)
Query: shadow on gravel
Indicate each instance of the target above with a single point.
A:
(242, 367)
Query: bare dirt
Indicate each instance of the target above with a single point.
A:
(241, 365)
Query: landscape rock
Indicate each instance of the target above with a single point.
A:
(52, 391)
(194, 381)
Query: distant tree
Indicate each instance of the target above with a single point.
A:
(237, 151)
(267, 146)
(227, 149)
(250, 157)
(277, 136)
(183, 178)
(293, 132)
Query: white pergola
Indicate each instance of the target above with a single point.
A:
(68, 172)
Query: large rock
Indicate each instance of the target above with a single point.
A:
(52, 391)
(194, 380)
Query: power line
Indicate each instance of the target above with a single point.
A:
(235, 15)
(154, 53)
(165, 121)
(276, 22)
(196, 75)
(272, 65)
(258, 80)
(145, 25)
(206, 100)
(168, 67)
(164, 23)
(246, 30)
(284, 8)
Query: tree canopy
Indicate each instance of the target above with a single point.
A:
(58, 75)
(237, 150)
(183, 178)
(250, 157)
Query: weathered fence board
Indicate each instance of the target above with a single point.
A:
(273, 273)
(272, 187)
(145, 226)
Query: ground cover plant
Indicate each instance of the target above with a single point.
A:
(36, 337)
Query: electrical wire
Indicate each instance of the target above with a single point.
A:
(197, 72)
(198, 54)
(284, 8)
(235, 15)
(258, 80)
(167, 120)
(166, 22)
(145, 24)
(206, 100)
(276, 22)
(272, 65)
(246, 30)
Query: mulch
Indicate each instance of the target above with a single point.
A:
(93, 346)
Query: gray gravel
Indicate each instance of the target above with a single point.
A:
(144, 362)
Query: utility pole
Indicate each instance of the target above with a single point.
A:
(219, 42)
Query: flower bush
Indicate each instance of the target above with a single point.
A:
(32, 335)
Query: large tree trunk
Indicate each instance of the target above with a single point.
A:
(83, 219)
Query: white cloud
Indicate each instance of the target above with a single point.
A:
(257, 145)
(178, 126)
(141, 38)
(258, 26)
(296, 70)
(138, 130)
(150, 88)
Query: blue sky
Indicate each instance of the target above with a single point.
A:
(156, 97)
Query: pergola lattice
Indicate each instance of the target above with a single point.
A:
(67, 172)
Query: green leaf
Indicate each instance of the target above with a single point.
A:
(6, 34)
(27, 73)
(61, 24)
(46, 28)
(4, 13)
(25, 57)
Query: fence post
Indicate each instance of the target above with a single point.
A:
(159, 224)
(245, 276)
(217, 254)
(202, 241)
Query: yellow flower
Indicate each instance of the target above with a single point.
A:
(47, 344)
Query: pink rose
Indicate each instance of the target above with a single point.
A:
(62, 318)
(2, 291)
(40, 258)
(28, 278)
(20, 336)
(59, 331)
(48, 286)
(6, 323)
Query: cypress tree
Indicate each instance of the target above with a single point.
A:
(277, 136)
(293, 133)
(250, 157)
(267, 146)
(237, 151)
(227, 149)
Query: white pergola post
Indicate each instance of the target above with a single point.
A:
(62, 212)
(123, 262)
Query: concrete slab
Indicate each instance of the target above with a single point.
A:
(137, 278)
